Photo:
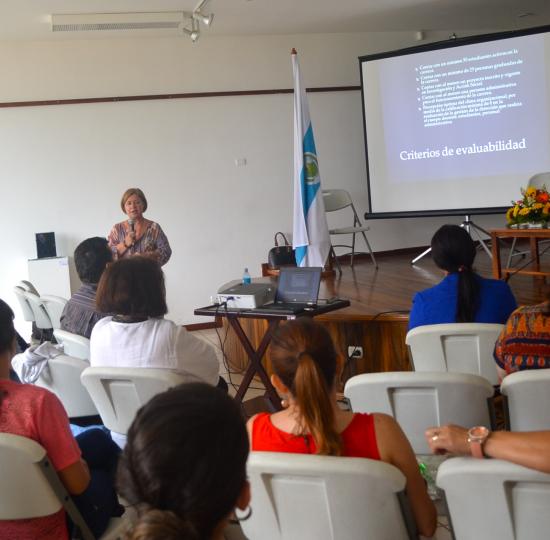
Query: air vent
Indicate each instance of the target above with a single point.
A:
(87, 22)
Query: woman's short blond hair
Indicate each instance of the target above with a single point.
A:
(133, 191)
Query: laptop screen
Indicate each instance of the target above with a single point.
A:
(298, 285)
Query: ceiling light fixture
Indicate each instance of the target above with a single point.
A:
(193, 32)
(197, 17)
(205, 19)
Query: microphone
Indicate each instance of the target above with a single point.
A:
(131, 223)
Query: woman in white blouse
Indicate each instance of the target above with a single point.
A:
(138, 335)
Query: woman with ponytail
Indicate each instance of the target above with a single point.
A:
(184, 465)
(306, 369)
(463, 295)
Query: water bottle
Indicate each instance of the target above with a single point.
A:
(429, 473)
(246, 277)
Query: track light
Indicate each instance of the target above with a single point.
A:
(204, 19)
(197, 17)
(193, 33)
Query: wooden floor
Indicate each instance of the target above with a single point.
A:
(389, 289)
(380, 302)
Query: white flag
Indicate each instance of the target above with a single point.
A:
(310, 236)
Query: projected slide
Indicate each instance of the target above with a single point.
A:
(460, 127)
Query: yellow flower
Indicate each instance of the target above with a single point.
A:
(524, 211)
(546, 209)
(537, 206)
(531, 191)
(516, 210)
(509, 213)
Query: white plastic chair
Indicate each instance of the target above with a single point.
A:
(30, 487)
(528, 399)
(54, 306)
(28, 286)
(456, 347)
(420, 400)
(338, 199)
(490, 498)
(62, 377)
(28, 313)
(118, 393)
(41, 317)
(73, 344)
(306, 497)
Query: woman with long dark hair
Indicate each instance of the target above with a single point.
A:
(462, 295)
(184, 465)
(306, 368)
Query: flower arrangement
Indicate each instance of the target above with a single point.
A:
(532, 208)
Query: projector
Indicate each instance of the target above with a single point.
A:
(247, 295)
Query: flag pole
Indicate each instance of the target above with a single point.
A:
(310, 236)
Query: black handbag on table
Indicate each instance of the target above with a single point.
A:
(281, 255)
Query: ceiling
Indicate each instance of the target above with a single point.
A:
(29, 19)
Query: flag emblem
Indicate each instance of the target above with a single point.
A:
(312, 168)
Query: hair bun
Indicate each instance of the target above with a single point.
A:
(162, 524)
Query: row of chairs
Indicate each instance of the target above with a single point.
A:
(354, 498)
(415, 399)
(30, 487)
(303, 497)
(350, 498)
(45, 311)
(419, 399)
(468, 348)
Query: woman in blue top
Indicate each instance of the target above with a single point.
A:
(463, 295)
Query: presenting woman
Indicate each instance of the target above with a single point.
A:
(138, 235)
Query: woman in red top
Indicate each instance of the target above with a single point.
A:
(306, 366)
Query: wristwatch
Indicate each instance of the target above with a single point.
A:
(476, 438)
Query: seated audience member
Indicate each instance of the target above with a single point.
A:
(530, 448)
(184, 466)
(138, 335)
(85, 465)
(80, 314)
(463, 296)
(306, 369)
(525, 341)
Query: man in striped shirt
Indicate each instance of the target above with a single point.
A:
(80, 314)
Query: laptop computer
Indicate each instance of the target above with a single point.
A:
(297, 290)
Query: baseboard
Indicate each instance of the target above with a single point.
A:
(400, 251)
(216, 323)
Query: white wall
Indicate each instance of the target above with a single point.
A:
(64, 168)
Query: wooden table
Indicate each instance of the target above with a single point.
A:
(533, 235)
(255, 355)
